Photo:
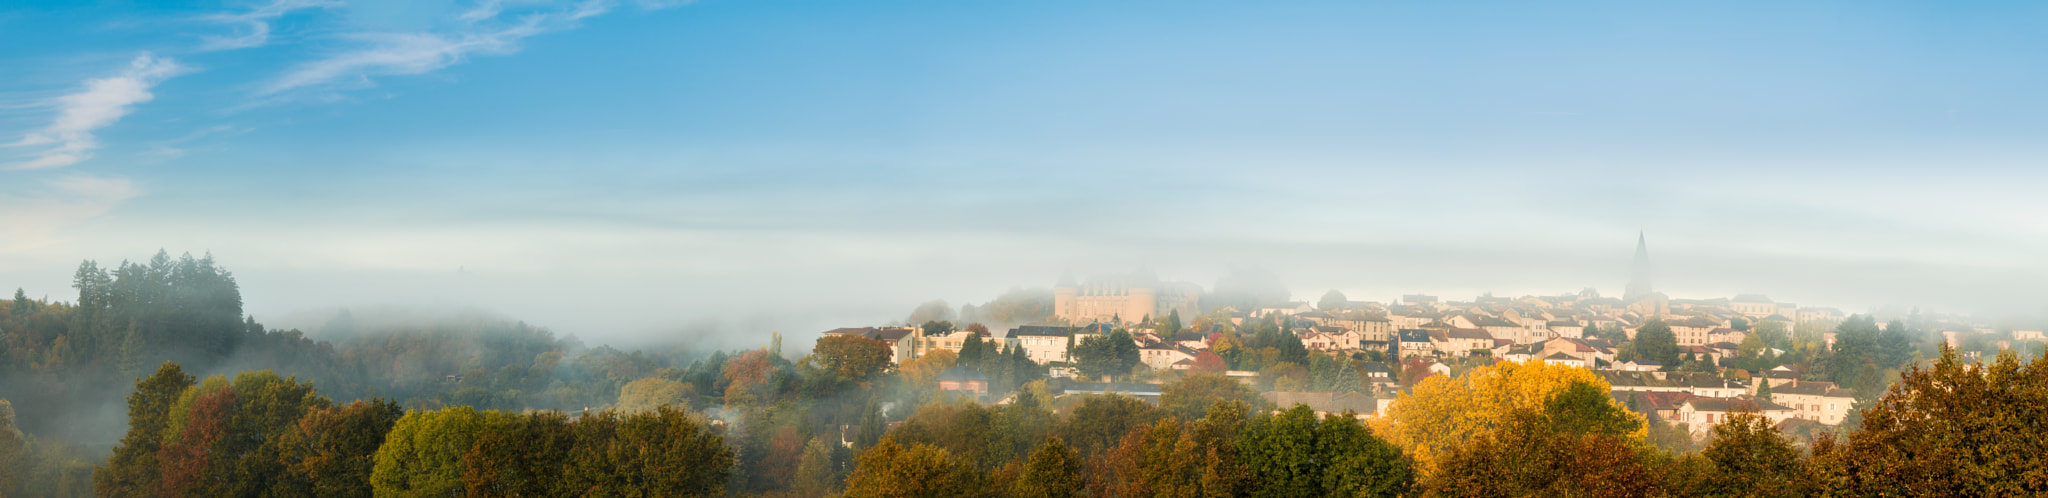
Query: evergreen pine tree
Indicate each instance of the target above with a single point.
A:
(871, 427)
(1763, 388)
(1347, 378)
(133, 354)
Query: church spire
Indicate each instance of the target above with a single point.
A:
(1639, 275)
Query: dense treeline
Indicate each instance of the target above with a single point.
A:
(1954, 429)
(66, 367)
(262, 435)
(487, 408)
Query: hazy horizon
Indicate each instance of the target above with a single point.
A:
(630, 171)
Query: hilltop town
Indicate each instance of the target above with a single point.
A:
(1683, 363)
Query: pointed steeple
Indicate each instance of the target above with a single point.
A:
(1639, 274)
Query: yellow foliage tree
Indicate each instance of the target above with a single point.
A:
(926, 369)
(1444, 413)
(645, 394)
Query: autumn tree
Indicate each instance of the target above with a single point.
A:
(815, 475)
(1209, 362)
(852, 357)
(648, 393)
(518, 455)
(891, 470)
(1747, 457)
(330, 451)
(1053, 471)
(1191, 396)
(13, 449)
(926, 369)
(751, 378)
(1525, 456)
(132, 469)
(648, 454)
(1101, 421)
(1169, 457)
(422, 456)
(1954, 429)
(1444, 413)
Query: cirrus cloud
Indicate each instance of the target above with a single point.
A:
(69, 139)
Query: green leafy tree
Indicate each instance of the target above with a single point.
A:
(1357, 464)
(1101, 421)
(1110, 354)
(1170, 326)
(646, 394)
(1280, 451)
(520, 455)
(132, 469)
(1955, 429)
(646, 454)
(13, 449)
(936, 327)
(1053, 471)
(890, 470)
(871, 427)
(1655, 342)
(852, 358)
(1192, 396)
(422, 456)
(1749, 458)
(815, 476)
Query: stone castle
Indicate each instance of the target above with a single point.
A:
(1123, 299)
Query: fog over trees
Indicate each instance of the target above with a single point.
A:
(209, 402)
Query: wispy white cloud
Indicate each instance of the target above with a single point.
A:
(488, 29)
(35, 218)
(104, 101)
(255, 24)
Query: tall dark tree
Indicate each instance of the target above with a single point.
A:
(132, 469)
(1053, 471)
(1110, 354)
(1655, 342)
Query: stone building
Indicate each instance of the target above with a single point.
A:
(1123, 300)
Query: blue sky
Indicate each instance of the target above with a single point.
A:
(619, 168)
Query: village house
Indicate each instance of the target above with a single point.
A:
(1660, 407)
(1566, 360)
(1702, 384)
(1461, 342)
(1568, 329)
(1043, 344)
(1701, 413)
(1164, 357)
(1693, 331)
(964, 380)
(1817, 401)
(1415, 342)
(923, 345)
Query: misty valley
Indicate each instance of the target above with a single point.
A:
(153, 382)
